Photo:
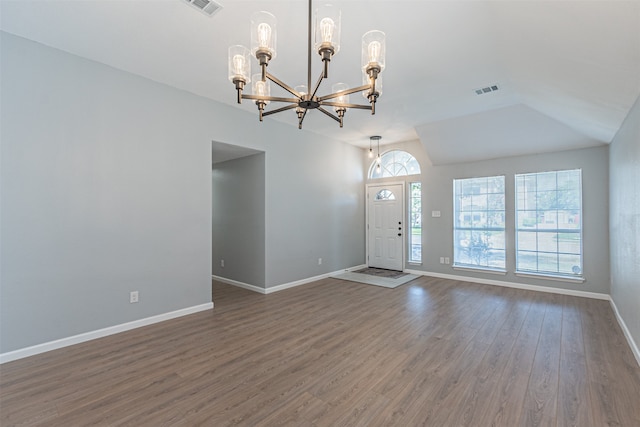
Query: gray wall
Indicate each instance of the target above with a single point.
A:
(239, 219)
(312, 208)
(624, 157)
(315, 198)
(106, 188)
(437, 188)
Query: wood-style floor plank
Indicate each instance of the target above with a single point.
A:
(476, 398)
(337, 353)
(600, 372)
(541, 397)
(573, 394)
(506, 402)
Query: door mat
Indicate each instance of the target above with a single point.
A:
(381, 272)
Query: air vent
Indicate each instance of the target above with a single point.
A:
(487, 89)
(207, 7)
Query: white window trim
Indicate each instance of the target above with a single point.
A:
(410, 236)
(558, 278)
(497, 271)
(548, 275)
(504, 229)
(373, 165)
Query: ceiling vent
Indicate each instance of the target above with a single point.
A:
(487, 89)
(207, 7)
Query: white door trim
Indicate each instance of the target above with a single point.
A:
(404, 216)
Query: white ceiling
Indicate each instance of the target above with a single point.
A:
(568, 71)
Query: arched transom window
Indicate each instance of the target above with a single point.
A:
(395, 163)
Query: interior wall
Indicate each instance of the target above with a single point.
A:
(624, 219)
(239, 219)
(106, 188)
(437, 193)
(315, 198)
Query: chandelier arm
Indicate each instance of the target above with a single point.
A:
(269, 98)
(284, 86)
(329, 114)
(344, 92)
(317, 85)
(341, 104)
(278, 110)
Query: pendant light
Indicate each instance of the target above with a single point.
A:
(377, 138)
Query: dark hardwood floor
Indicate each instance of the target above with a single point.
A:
(335, 353)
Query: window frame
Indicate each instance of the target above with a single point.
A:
(385, 194)
(419, 212)
(383, 156)
(457, 197)
(548, 274)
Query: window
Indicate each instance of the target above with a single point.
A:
(478, 224)
(395, 163)
(415, 209)
(549, 223)
(385, 195)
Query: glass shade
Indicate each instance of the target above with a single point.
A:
(302, 89)
(239, 63)
(366, 81)
(263, 33)
(337, 87)
(373, 49)
(261, 88)
(327, 27)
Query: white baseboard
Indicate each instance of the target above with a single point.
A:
(627, 333)
(536, 288)
(284, 286)
(242, 285)
(111, 330)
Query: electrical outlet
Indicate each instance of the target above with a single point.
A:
(133, 297)
(446, 260)
(319, 261)
(221, 263)
(435, 214)
(441, 260)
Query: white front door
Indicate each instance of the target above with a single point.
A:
(386, 226)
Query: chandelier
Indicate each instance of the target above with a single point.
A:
(327, 44)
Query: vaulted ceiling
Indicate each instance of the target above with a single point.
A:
(567, 72)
